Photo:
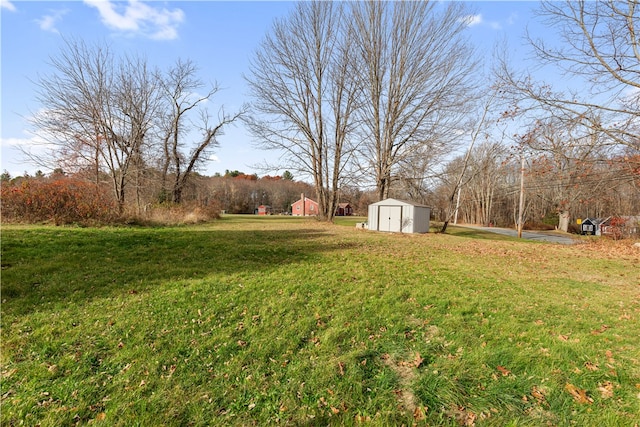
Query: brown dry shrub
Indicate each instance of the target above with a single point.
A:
(184, 213)
(59, 201)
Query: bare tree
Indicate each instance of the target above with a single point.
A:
(565, 161)
(596, 46)
(478, 128)
(96, 111)
(416, 68)
(304, 91)
(180, 88)
(485, 171)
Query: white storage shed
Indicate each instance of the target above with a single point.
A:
(399, 216)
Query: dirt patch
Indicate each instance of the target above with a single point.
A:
(406, 372)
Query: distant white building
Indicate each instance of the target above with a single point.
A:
(399, 216)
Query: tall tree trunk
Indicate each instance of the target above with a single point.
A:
(563, 221)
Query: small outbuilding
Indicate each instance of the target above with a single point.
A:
(264, 210)
(591, 226)
(399, 216)
(344, 209)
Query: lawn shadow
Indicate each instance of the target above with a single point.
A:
(52, 265)
(472, 233)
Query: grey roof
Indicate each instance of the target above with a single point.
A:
(397, 202)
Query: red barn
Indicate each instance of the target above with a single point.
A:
(304, 207)
(264, 210)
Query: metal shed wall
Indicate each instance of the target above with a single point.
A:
(397, 216)
(421, 217)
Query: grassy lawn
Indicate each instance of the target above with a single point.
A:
(259, 321)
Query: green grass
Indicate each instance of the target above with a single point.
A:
(285, 320)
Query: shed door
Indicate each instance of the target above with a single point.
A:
(390, 218)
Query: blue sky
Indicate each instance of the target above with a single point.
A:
(220, 37)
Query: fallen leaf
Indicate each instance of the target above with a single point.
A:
(538, 394)
(591, 366)
(8, 373)
(335, 410)
(417, 361)
(606, 389)
(504, 371)
(599, 331)
(420, 413)
(470, 421)
(363, 419)
(539, 322)
(463, 416)
(101, 416)
(341, 368)
(563, 337)
(578, 394)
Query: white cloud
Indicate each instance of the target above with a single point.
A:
(48, 22)
(214, 158)
(472, 20)
(478, 20)
(18, 154)
(33, 142)
(138, 18)
(13, 142)
(6, 4)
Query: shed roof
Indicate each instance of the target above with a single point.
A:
(397, 202)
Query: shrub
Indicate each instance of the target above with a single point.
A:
(184, 213)
(61, 201)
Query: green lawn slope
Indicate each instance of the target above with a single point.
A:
(278, 320)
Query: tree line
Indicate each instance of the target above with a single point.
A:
(369, 100)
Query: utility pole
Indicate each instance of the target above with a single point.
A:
(521, 205)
